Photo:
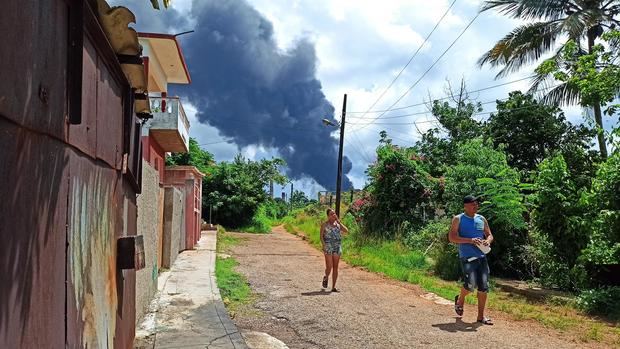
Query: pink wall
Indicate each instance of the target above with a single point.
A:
(189, 180)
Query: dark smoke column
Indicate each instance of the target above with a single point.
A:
(251, 91)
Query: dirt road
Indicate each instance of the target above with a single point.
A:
(369, 312)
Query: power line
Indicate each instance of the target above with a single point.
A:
(474, 114)
(357, 151)
(412, 57)
(442, 98)
(363, 150)
(426, 112)
(431, 67)
(211, 143)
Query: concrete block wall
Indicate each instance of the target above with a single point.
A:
(149, 226)
(174, 225)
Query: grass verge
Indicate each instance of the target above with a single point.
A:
(234, 288)
(394, 260)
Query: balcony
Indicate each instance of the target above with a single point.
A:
(169, 125)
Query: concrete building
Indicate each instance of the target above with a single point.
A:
(167, 209)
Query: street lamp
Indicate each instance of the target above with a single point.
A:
(339, 175)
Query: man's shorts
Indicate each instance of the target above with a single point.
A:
(476, 274)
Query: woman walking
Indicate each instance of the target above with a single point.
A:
(331, 239)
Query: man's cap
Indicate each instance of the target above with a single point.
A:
(469, 199)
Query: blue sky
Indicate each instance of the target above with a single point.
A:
(360, 46)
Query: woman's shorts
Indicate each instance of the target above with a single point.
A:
(476, 274)
(333, 247)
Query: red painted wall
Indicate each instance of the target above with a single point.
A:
(153, 153)
(189, 180)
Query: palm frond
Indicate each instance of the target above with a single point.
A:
(564, 95)
(541, 83)
(524, 45)
(575, 25)
(528, 9)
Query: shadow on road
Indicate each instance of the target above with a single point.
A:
(316, 293)
(458, 326)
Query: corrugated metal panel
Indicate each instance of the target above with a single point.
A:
(109, 118)
(32, 231)
(34, 60)
(101, 298)
(94, 219)
(126, 313)
(84, 135)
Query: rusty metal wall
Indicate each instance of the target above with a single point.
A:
(102, 208)
(33, 173)
(33, 192)
(64, 200)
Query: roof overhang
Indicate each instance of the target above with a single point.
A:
(168, 52)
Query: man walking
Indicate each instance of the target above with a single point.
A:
(472, 234)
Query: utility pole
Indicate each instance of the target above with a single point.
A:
(339, 178)
(291, 198)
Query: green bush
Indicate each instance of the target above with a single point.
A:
(260, 224)
(432, 241)
(220, 229)
(603, 301)
(604, 199)
(400, 190)
(275, 209)
(446, 262)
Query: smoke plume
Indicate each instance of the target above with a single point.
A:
(256, 94)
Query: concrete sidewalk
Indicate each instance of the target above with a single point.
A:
(188, 311)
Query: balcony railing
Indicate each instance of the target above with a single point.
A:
(169, 125)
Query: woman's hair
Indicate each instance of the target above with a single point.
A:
(328, 211)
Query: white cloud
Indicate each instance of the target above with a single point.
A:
(361, 45)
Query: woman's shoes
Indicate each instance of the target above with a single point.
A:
(324, 281)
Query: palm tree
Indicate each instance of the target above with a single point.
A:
(549, 21)
(155, 4)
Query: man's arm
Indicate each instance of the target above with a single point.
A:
(454, 236)
(487, 233)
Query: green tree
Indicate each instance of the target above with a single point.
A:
(530, 132)
(547, 22)
(299, 199)
(596, 75)
(196, 156)
(438, 145)
(235, 190)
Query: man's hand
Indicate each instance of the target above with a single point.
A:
(477, 241)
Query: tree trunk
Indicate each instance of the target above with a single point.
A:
(598, 115)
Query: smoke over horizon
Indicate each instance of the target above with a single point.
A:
(256, 94)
